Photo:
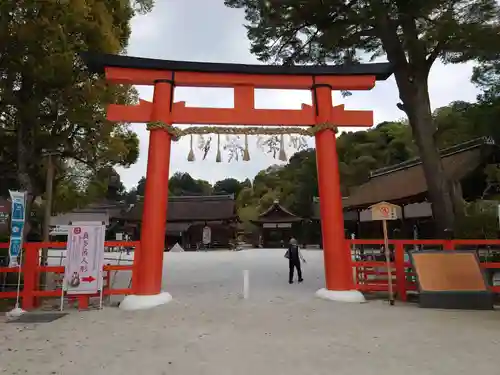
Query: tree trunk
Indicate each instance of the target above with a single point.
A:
(27, 115)
(417, 106)
(23, 175)
(411, 70)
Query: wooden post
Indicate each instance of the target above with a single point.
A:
(384, 211)
(388, 262)
(399, 261)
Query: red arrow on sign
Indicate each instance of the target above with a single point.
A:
(88, 279)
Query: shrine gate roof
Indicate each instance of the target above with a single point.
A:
(97, 63)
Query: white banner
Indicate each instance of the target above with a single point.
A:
(84, 259)
(207, 235)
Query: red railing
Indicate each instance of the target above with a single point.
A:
(369, 275)
(31, 269)
(372, 275)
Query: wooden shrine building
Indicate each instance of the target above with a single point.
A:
(277, 225)
(188, 215)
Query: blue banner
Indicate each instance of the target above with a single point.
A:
(17, 210)
(16, 229)
(15, 247)
(17, 219)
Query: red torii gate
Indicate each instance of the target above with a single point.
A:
(244, 79)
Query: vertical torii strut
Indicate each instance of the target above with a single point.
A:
(244, 79)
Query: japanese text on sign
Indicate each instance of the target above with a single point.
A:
(384, 211)
(85, 257)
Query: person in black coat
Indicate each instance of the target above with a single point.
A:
(294, 257)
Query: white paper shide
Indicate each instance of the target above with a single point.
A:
(84, 261)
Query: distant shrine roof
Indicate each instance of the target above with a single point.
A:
(277, 214)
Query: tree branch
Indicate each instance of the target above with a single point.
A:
(433, 55)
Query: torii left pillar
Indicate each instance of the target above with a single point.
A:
(148, 262)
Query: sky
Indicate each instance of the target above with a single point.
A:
(207, 31)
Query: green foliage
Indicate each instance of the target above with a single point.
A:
(479, 221)
(363, 151)
(182, 183)
(228, 186)
(296, 31)
(48, 99)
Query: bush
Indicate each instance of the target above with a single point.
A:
(479, 221)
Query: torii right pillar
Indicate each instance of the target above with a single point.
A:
(337, 257)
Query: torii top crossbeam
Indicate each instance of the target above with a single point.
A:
(244, 79)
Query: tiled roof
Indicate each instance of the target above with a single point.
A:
(277, 214)
(407, 179)
(193, 208)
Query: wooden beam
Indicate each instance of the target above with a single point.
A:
(196, 79)
(181, 114)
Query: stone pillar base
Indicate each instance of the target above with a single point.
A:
(135, 302)
(354, 296)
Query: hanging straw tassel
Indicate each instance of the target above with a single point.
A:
(246, 153)
(191, 152)
(218, 158)
(282, 155)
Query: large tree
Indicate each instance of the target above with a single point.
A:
(182, 184)
(228, 186)
(412, 34)
(48, 99)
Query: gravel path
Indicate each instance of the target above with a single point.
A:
(280, 329)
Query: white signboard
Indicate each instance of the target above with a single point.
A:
(384, 211)
(207, 235)
(84, 259)
(277, 225)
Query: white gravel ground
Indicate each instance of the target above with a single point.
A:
(280, 329)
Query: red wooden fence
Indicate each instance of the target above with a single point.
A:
(369, 275)
(31, 270)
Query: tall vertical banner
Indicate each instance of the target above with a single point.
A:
(84, 259)
(206, 235)
(17, 220)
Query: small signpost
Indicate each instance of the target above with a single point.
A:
(384, 211)
(84, 261)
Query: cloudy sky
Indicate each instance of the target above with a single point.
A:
(205, 30)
